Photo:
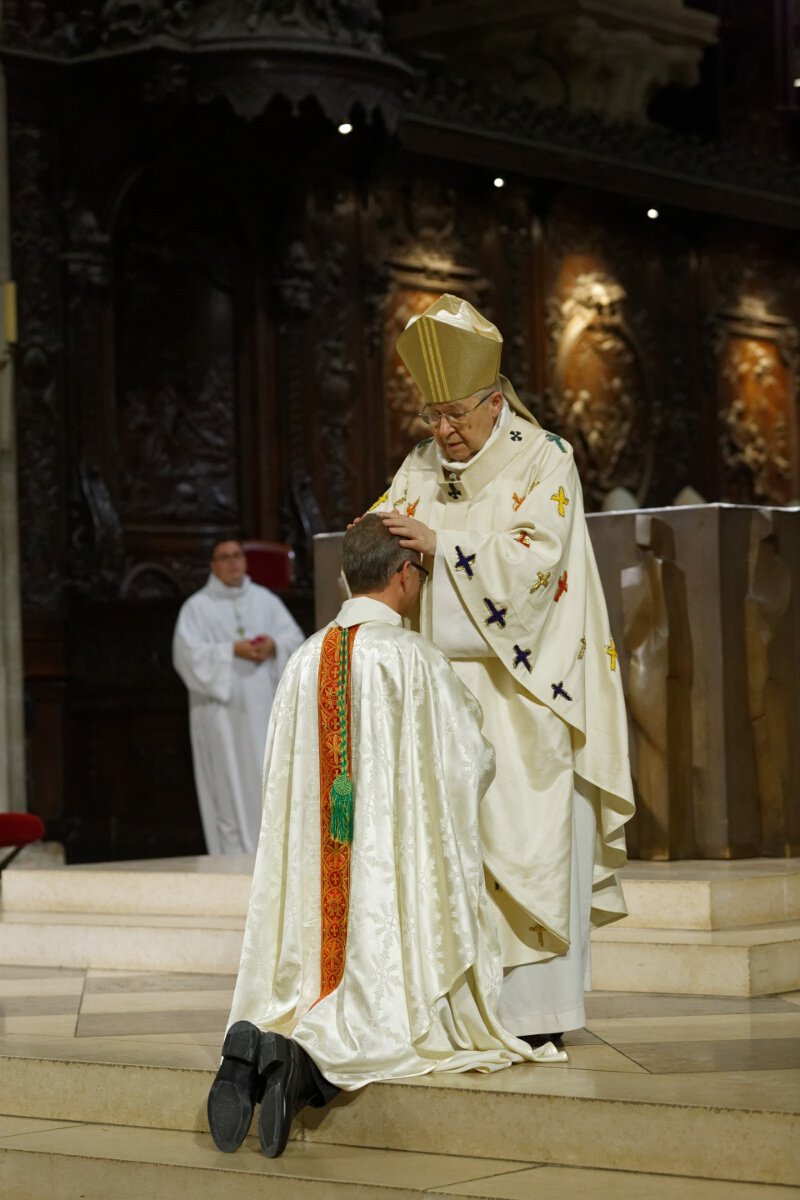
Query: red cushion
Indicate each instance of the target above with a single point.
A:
(17, 829)
(270, 563)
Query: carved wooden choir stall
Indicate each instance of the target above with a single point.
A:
(222, 216)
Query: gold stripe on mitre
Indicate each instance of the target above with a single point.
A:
(434, 367)
(450, 350)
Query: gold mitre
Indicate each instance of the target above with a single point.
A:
(453, 352)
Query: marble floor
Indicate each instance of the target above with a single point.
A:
(743, 1054)
(660, 1035)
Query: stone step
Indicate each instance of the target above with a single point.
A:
(682, 895)
(760, 960)
(205, 885)
(711, 895)
(118, 941)
(96, 1162)
(188, 914)
(63, 1161)
(514, 1120)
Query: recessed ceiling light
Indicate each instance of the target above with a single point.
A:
(499, 181)
(345, 127)
(652, 213)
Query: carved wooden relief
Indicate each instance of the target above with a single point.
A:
(35, 245)
(178, 278)
(429, 242)
(301, 515)
(601, 391)
(336, 365)
(403, 427)
(631, 335)
(757, 365)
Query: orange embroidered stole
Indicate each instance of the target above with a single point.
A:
(335, 856)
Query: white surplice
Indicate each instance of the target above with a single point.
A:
(515, 602)
(422, 972)
(229, 702)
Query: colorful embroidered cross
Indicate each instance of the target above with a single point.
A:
(562, 500)
(562, 587)
(412, 508)
(611, 651)
(517, 500)
(464, 562)
(582, 650)
(516, 436)
(521, 658)
(523, 539)
(542, 580)
(497, 616)
(455, 492)
(553, 437)
(558, 690)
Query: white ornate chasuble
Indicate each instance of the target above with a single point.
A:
(516, 603)
(422, 971)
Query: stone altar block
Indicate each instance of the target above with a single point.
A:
(704, 607)
(704, 604)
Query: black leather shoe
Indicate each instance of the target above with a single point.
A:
(234, 1092)
(284, 1068)
(535, 1040)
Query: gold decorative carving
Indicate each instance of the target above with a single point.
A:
(403, 426)
(602, 396)
(757, 366)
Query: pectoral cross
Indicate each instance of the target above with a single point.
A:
(553, 437)
(542, 580)
(558, 690)
(497, 616)
(464, 562)
(453, 491)
(611, 651)
(561, 588)
(381, 500)
(562, 500)
(521, 658)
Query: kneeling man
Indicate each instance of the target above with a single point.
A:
(370, 950)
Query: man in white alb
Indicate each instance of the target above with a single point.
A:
(231, 643)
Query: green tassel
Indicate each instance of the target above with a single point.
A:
(342, 810)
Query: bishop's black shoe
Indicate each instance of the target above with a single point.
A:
(235, 1091)
(535, 1040)
(289, 1085)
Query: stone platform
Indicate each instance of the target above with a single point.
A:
(114, 994)
(702, 928)
(104, 1077)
